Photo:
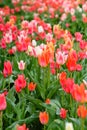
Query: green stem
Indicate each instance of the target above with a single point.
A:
(70, 101)
(44, 78)
(9, 83)
(4, 82)
(71, 76)
(44, 127)
(1, 124)
(82, 124)
(71, 105)
(48, 76)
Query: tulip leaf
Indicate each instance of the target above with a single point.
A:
(26, 120)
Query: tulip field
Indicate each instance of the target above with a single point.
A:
(43, 65)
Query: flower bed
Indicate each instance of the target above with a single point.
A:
(43, 65)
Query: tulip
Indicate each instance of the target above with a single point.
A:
(69, 126)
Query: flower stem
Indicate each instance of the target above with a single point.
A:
(1, 120)
(82, 124)
(44, 127)
(48, 76)
(44, 77)
(71, 105)
(4, 83)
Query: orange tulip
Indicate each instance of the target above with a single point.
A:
(31, 86)
(82, 111)
(43, 59)
(62, 78)
(44, 117)
(79, 93)
(47, 55)
(47, 101)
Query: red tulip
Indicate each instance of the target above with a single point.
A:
(20, 83)
(63, 113)
(78, 36)
(7, 68)
(2, 102)
(22, 127)
(66, 83)
(72, 61)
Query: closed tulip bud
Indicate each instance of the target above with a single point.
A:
(44, 117)
(63, 113)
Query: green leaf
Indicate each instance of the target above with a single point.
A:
(41, 91)
(74, 120)
(10, 102)
(26, 120)
(52, 91)
(11, 106)
(57, 121)
(30, 108)
(54, 125)
(39, 87)
(55, 103)
(10, 95)
(36, 102)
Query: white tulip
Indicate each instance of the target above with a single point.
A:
(69, 126)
